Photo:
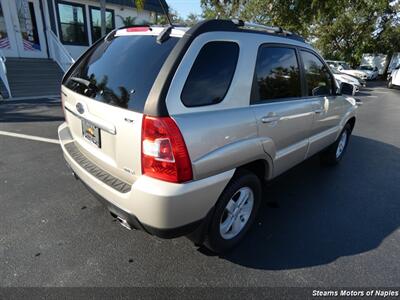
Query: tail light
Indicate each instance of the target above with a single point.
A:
(164, 153)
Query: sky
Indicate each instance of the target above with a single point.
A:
(185, 7)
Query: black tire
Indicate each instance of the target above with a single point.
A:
(214, 240)
(329, 156)
(390, 84)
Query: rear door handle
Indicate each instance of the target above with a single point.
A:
(267, 120)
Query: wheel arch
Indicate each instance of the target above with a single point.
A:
(352, 122)
(350, 118)
(260, 167)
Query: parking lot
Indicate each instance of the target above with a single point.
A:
(318, 227)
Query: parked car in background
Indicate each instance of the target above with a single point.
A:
(394, 62)
(372, 72)
(341, 77)
(378, 60)
(183, 145)
(337, 63)
(394, 78)
(361, 82)
(358, 73)
(343, 67)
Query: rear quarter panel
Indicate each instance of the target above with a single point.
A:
(221, 140)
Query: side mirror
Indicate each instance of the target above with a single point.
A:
(346, 89)
(340, 68)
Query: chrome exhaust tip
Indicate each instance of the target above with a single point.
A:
(75, 176)
(124, 223)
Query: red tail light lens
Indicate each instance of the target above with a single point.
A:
(164, 153)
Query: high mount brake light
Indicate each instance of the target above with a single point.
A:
(137, 29)
(164, 153)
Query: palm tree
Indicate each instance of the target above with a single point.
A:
(139, 5)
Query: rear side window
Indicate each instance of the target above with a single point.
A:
(122, 71)
(211, 74)
(318, 78)
(277, 74)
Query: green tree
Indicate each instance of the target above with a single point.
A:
(340, 29)
(292, 15)
(192, 19)
(175, 18)
(355, 29)
(222, 8)
(129, 21)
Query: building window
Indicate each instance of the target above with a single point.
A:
(72, 23)
(95, 22)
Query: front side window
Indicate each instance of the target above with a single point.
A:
(318, 78)
(95, 22)
(211, 74)
(277, 74)
(72, 23)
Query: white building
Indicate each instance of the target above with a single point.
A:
(24, 24)
(63, 29)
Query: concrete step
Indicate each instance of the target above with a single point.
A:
(33, 77)
(3, 91)
(14, 71)
(35, 80)
(35, 92)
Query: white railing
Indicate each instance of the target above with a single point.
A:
(58, 52)
(3, 73)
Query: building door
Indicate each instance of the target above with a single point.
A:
(8, 45)
(21, 29)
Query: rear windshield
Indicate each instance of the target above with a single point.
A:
(121, 71)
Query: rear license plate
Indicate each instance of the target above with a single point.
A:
(91, 133)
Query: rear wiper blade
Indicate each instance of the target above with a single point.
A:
(83, 81)
(91, 87)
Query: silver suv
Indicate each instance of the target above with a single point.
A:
(176, 129)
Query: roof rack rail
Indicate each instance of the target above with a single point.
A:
(269, 29)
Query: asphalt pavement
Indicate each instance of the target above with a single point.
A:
(318, 227)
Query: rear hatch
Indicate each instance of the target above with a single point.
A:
(104, 95)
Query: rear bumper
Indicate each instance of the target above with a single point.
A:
(160, 208)
(132, 222)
